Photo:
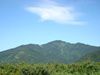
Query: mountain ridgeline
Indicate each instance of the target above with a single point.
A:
(53, 52)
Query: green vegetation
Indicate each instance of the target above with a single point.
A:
(51, 59)
(85, 68)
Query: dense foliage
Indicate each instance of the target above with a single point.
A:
(85, 68)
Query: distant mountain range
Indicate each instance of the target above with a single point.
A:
(52, 52)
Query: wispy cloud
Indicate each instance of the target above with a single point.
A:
(53, 11)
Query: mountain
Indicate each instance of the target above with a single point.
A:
(22, 53)
(92, 56)
(52, 52)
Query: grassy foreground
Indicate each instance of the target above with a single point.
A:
(85, 68)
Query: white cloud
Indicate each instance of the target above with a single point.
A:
(55, 12)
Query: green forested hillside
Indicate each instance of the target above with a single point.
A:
(24, 53)
(93, 56)
(85, 68)
(53, 52)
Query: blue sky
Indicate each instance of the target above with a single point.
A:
(41, 21)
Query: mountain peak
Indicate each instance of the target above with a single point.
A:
(57, 41)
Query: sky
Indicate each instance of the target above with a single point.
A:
(42, 21)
